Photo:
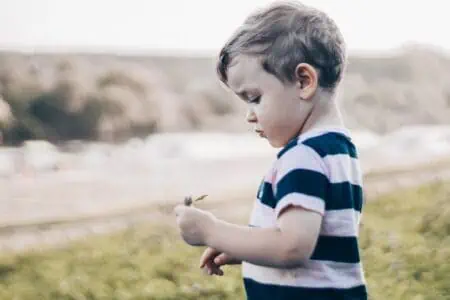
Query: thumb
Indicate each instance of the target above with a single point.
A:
(221, 259)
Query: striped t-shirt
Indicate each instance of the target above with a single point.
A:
(320, 172)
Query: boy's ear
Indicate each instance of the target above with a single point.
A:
(307, 80)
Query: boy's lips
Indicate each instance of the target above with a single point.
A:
(260, 132)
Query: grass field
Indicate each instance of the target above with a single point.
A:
(405, 241)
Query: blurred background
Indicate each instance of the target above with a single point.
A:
(111, 113)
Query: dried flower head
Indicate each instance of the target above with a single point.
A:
(188, 200)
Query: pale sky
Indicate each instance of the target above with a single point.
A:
(191, 25)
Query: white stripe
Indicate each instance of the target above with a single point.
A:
(305, 201)
(299, 157)
(340, 223)
(343, 168)
(270, 175)
(315, 274)
(262, 215)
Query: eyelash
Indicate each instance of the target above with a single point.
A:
(255, 100)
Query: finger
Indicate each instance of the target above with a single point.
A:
(205, 270)
(208, 254)
(209, 265)
(217, 271)
(221, 259)
(212, 269)
(208, 269)
(204, 256)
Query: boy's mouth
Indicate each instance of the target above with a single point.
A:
(260, 133)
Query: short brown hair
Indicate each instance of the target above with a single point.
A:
(285, 34)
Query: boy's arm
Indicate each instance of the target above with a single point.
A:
(287, 246)
(301, 183)
(300, 186)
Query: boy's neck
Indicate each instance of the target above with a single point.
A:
(325, 113)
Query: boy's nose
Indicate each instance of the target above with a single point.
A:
(251, 117)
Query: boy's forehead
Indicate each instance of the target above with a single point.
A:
(243, 70)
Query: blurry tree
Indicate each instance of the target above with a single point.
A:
(68, 96)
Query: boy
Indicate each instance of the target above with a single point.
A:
(286, 62)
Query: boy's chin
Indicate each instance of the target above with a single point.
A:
(275, 144)
(278, 143)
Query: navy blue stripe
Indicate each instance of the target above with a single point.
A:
(303, 181)
(337, 249)
(260, 291)
(266, 195)
(337, 196)
(291, 144)
(344, 195)
(332, 144)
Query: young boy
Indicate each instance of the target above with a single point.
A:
(286, 62)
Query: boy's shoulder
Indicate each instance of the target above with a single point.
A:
(323, 155)
(323, 142)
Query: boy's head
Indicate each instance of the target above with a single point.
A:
(278, 61)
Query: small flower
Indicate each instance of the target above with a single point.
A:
(188, 199)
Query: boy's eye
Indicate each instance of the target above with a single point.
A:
(255, 100)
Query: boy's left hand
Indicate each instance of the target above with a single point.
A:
(194, 224)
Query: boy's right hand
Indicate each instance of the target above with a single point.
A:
(213, 260)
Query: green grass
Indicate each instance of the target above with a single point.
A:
(405, 241)
(406, 244)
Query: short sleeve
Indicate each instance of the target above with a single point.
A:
(301, 180)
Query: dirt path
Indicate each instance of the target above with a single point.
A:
(35, 235)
